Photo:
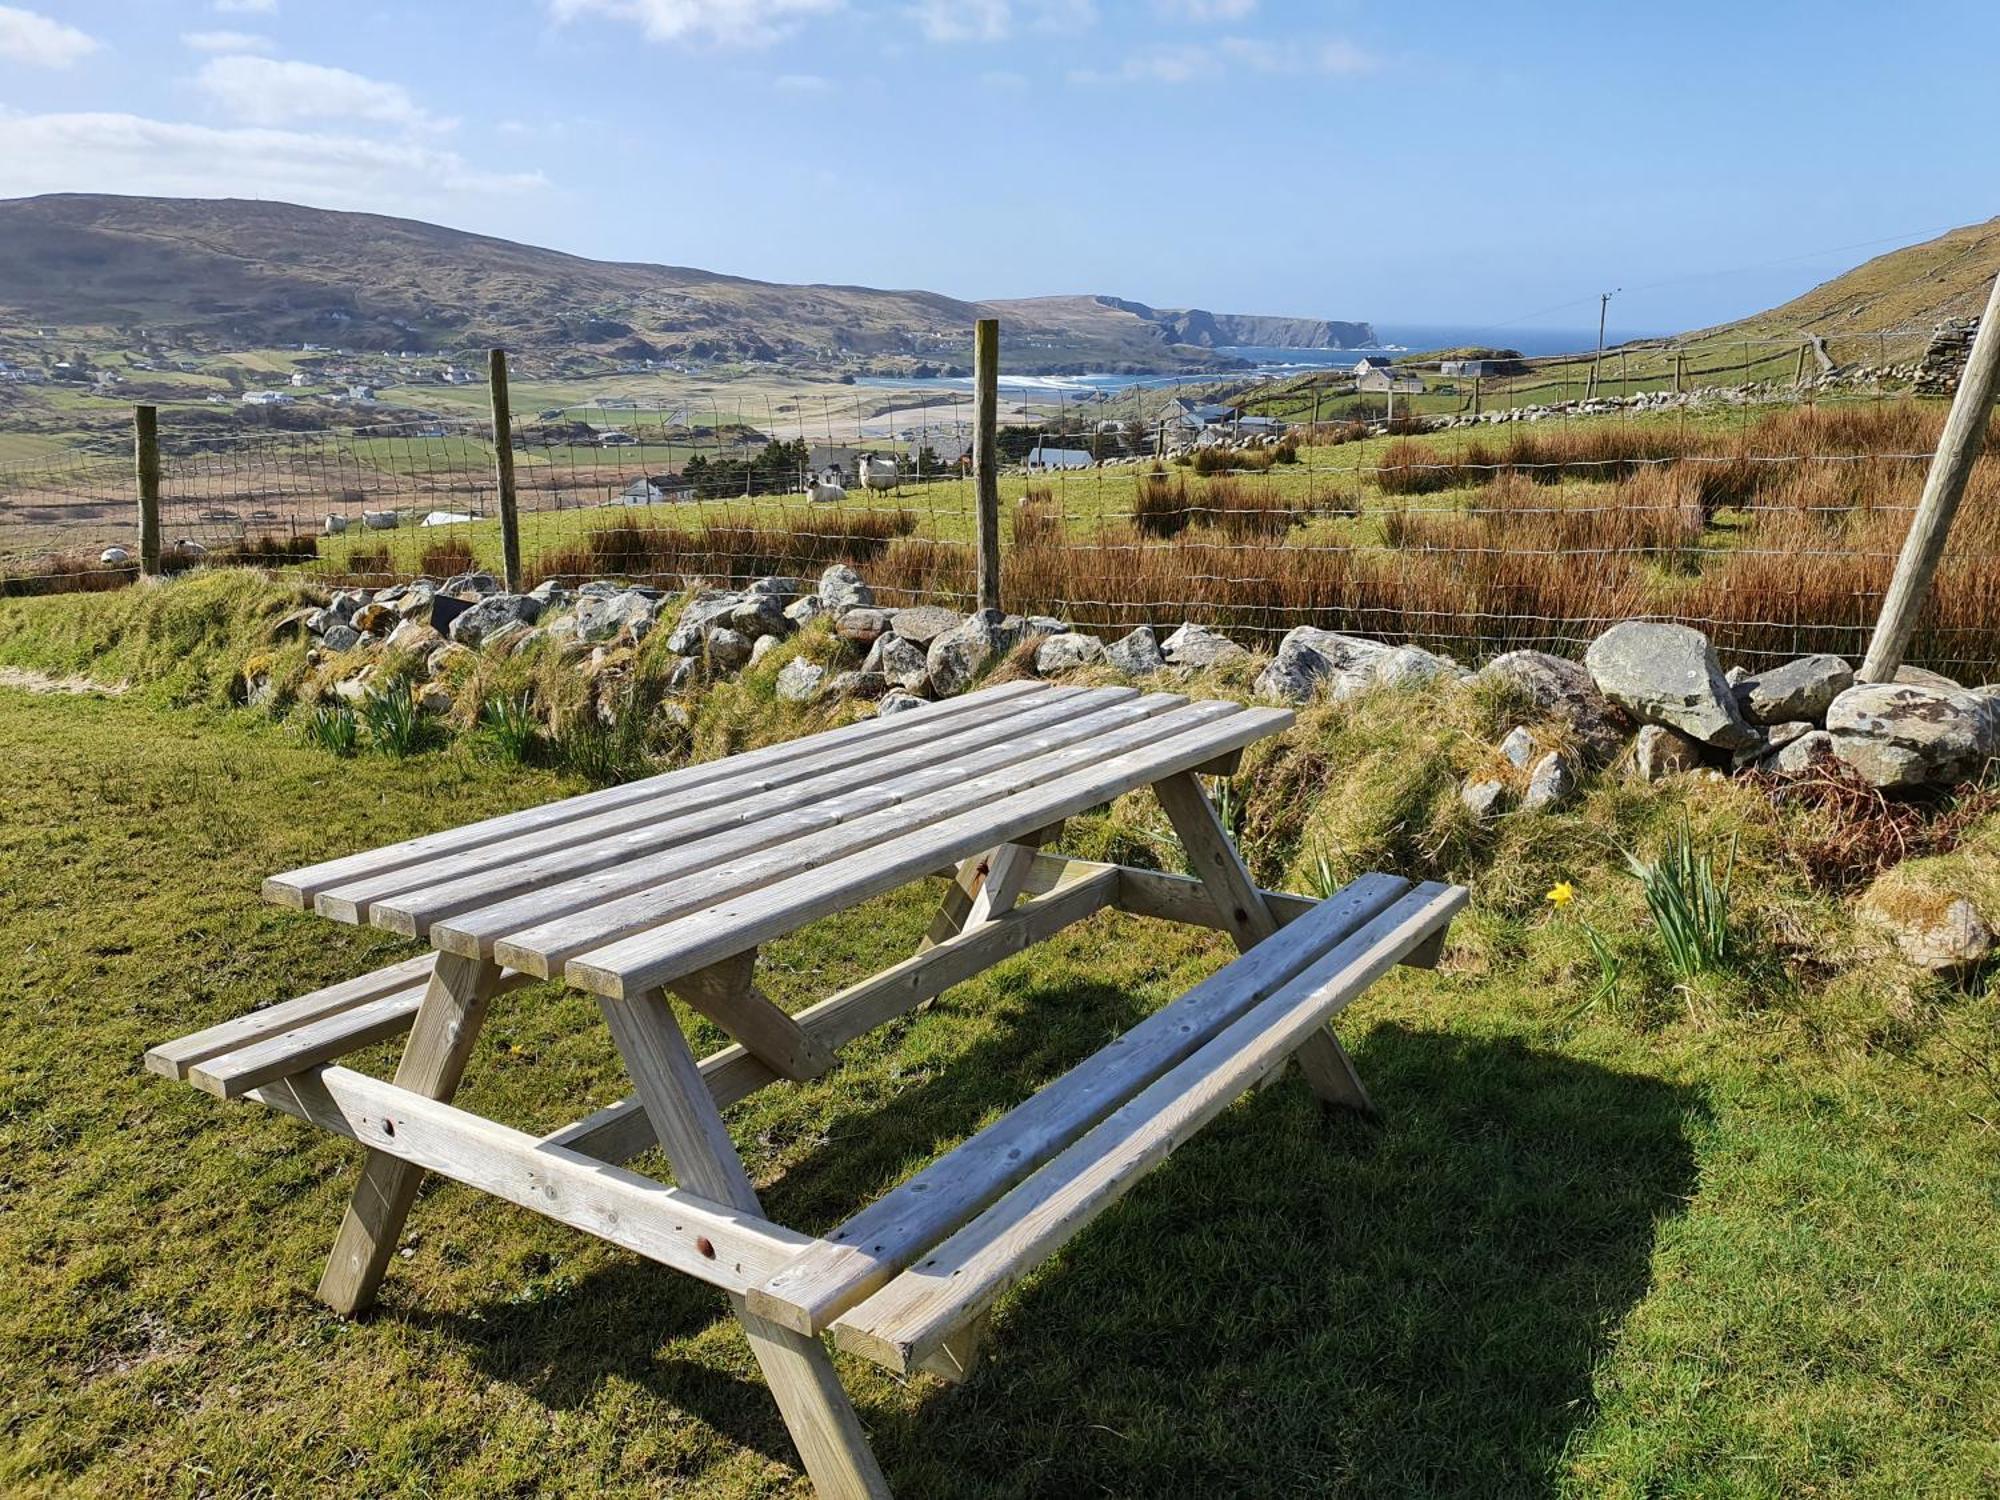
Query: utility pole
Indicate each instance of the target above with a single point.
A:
(1603, 303)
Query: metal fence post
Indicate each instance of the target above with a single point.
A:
(1923, 549)
(146, 468)
(986, 456)
(503, 469)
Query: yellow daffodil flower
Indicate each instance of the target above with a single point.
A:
(1561, 894)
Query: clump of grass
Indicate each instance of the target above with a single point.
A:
(511, 728)
(394, 722)
(1408, 468)
(1160, 504)
(442, 559)
(729, 544)
(331, 727)
(1037, 519)
(1218, 460)
(1689, 902)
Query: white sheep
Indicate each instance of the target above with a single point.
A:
(112, 556)
(334, 526)
(826, 492)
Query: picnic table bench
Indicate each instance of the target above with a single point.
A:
(671, 884)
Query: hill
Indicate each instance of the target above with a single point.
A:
(228, 273)
(1911, 288)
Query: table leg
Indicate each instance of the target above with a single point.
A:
(441, 1039)
(986, 886)
(668, 1082)
(1248, 920)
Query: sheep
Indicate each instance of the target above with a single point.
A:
(334, 526)
(112, 556)
(878, 473)
(826, 492)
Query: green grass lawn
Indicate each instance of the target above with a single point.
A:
(1590, 1250)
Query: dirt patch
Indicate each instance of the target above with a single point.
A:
(30, 681)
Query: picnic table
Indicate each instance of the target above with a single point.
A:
(670, 885)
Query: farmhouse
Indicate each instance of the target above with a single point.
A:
(655, 489)
(1380, 379)
(266, 398)
(1041, 456)
(1372, 362)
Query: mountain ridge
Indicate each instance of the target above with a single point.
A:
(253, 272)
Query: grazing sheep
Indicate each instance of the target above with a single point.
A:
(112, 556)
(826, 492)
(334, 526)
(878, 473)
(380, 520)
(187, 546)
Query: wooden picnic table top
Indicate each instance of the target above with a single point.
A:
(627, 889)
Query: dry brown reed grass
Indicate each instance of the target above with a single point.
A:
(728, 544)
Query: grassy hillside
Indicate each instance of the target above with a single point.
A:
(240, 274)
(1948, 277)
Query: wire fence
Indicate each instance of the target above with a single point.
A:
(1758, 489)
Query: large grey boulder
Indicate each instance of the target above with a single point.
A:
(1196, 646)
(414, 636)
(1809, 752)
(1924, 677)
(760, 615)
(492, 615)
(600, 618)
(902, 663)
(804, 609)
(461, 584)
(841, 588)
(924, 623)
(1310, 660)
(340, 637)
(1067, 652)
(1797, 690)
(862, 625)
(1668, 675)
(1563, 689)
(1900, 734)
(961, 654)
(1137, 654)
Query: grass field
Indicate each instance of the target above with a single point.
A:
(1733, 1238)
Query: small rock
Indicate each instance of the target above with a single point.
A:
(461, 584)
(1137, 654)
(1068, 651)
(374, 619)
(804, 609)
(1485, 797)
(414, 603)
(341, 638)
(902, 662)
(959, 655)
(1550, 784)
(1519, 746)
(799, 680)
(1660, 752)
(924, 623)
(841, 588)
(784, 590)
(602, 618)
(899, 703)
(1196, 647)
(764, 646)
(1934, 930)
(414, 636)
(1811, 751)
(856, 685)
(862, 625)
(1800, 689)
(1667, 675)
(1044, 625)
(726, 649)
(434, 698)
(354, 689)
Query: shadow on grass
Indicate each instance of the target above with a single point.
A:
(1292, 1305)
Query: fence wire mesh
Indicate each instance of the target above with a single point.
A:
(1758, 489)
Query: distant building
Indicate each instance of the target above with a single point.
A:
(266, 398)
(361, 393)
(1379, 380)
(1187, 415)
(655, 489)
(1372, 362)
(300, 378)
(1041, 456)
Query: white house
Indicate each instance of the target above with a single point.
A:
(1372, 362)
(1041, 456)
(1379, 380)
(655, 489)
(300, 378)
(266, 398)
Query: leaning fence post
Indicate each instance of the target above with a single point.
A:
(1923, 549)
(503, 469)
(986, 456)
(146, 467)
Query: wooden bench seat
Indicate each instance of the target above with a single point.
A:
(231, 1059)
(989, 1211)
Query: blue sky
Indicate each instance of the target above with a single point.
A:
(1480, 165)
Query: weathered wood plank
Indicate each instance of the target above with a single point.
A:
(871, 1247)
(173, 1059)
(1188, 736)
(447, 1024)
(230, 1075)
(406, 900)
(668, 1225)
(907, 1321)
(726, 994)
(297, 888)
(544, 947)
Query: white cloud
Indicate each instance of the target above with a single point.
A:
(995, 20)
(117, 153)
(1205, 10)
(27, 37)
(246, 7)
(751, 23)
(226, 41)
(1191, 61)
(264, 91)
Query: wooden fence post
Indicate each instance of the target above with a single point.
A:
(1923, 549)
(146, 467)
(986, 456)
(503, 469)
